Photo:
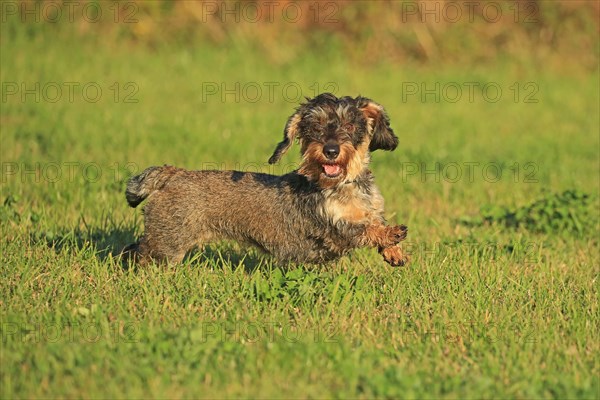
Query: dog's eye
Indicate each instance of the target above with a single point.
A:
(349, 127)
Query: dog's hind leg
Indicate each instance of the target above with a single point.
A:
(169, 252)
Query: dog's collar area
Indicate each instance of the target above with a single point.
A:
(363, 178)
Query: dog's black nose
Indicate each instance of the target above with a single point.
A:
(331, 150)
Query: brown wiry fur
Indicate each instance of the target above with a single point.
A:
(304, 216)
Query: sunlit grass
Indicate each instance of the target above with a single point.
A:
(484, 311)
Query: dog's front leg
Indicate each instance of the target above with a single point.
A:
(383, 236)
(387, 241)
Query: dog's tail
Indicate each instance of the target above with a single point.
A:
(150, 180)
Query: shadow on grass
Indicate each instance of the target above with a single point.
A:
(103, 242)
(229, 255)
(109, 240)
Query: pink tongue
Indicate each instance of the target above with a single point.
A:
(331, 169)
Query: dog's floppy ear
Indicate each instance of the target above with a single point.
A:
(289, 134)
(382, 134)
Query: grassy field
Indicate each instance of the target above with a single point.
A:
(496, 302)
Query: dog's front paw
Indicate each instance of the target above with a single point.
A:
(394, 256)
(399, 232)
(394, 235)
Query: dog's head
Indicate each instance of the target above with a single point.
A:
(336, 136)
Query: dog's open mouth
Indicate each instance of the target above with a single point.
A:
(332, 170)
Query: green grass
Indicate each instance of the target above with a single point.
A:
(482, 311)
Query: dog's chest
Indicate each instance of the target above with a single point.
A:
(352, 204)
